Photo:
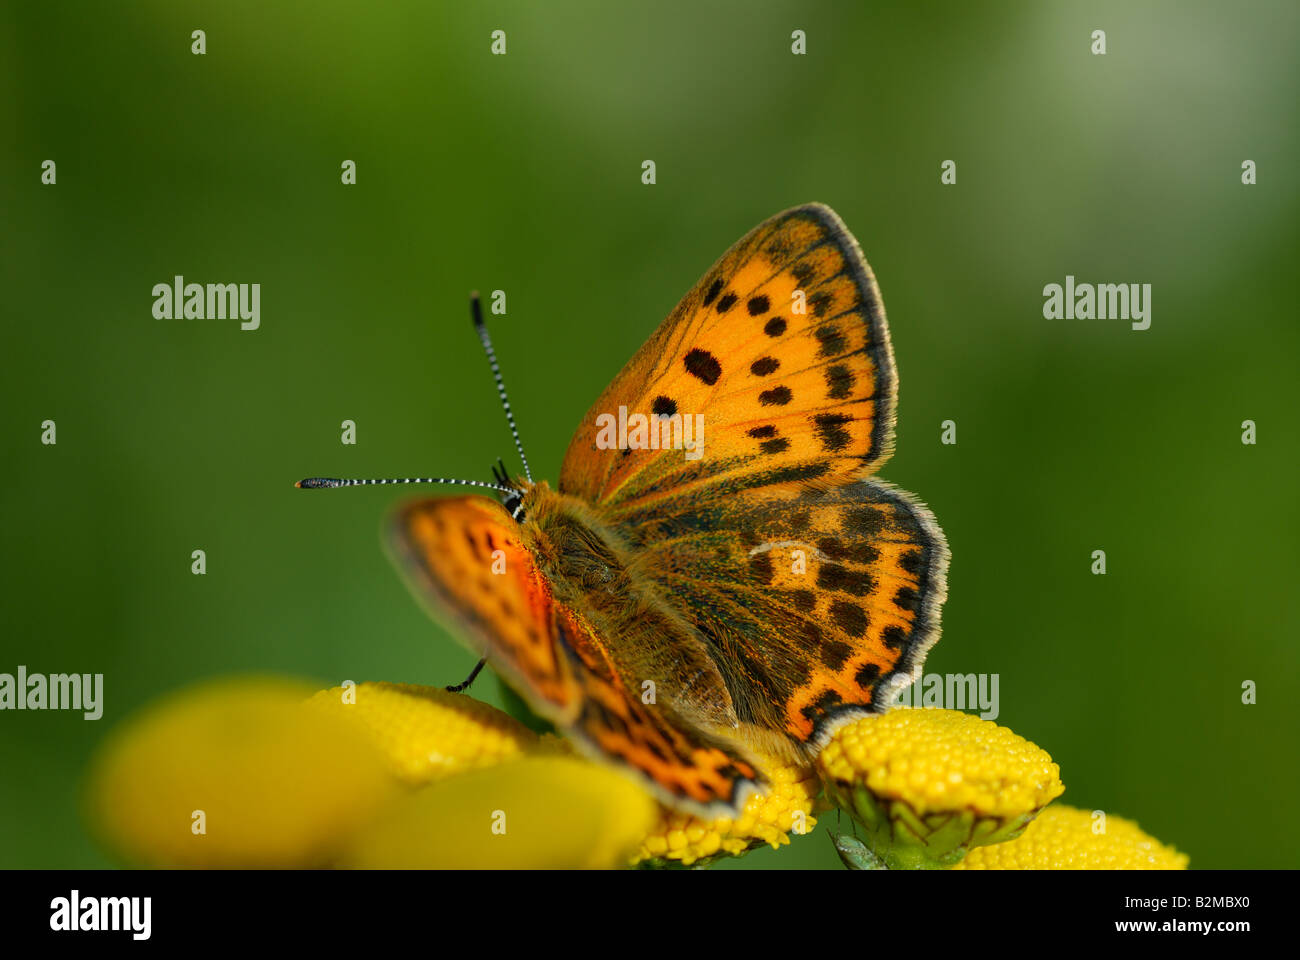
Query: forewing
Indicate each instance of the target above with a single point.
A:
(784, 395)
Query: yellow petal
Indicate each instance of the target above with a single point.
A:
(1064, 838)
(235, 773)
(427, 733)
(533, 812)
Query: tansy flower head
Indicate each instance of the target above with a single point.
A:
(235, 773)
(260, 773)
(534, 811)
(927, 785)
(680, 839)
(497, 794)
(1065, 838)
(426, 733)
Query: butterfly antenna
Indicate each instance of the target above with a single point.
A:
(476, 310)
(320, 483)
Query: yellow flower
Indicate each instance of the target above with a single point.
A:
(927, 785)
(1064, 838)
(686, 840)
(235, 773)
(541, 811)
(259, 773)
(426, 733)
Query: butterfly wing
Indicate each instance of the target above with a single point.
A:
(817, 593)
(785, 395)
(464, 554)
(818, 604)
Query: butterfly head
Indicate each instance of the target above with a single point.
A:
(511, 491)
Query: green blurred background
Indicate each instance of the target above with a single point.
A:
(522, 173)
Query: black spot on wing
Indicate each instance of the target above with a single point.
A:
(895, 637)
(663, 407)
(849, 617)
(827, 700)
(831, 338)
(835, 653)
(777, 396)
(864, 521)
(839, 382)
(906, 599)
(791, 474)
(867, 675)
(831, 432)
(774, 327)
(779, 247)
(862, 553)
(831, 547)
(703, 366)
(763, 366)
(855, 552)
(857, 583)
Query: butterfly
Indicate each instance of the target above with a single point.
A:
(685, 604)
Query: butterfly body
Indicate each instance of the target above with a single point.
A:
(639, 635)
(686, 616)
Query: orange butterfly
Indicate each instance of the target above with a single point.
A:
(717, 577)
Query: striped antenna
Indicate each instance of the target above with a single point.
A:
(325, 483)
(476, 310)
(513, 497)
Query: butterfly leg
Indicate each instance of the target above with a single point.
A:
(465, 684)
